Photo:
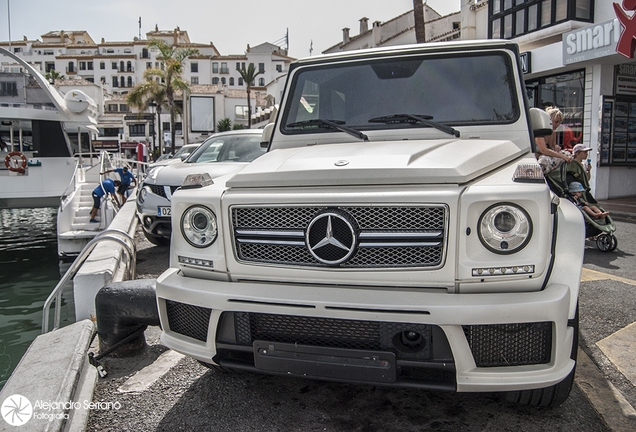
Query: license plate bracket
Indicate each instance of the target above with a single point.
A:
(327, 363)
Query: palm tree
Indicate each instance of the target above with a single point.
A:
(149, 93)
(248, 75)
(52, 75)
(418, 14)
(169, 76)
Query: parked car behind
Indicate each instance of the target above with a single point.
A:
(180, 155)
(223, 153)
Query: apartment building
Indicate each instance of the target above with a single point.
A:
(115, 67)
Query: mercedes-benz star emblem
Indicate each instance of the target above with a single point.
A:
(331, 238)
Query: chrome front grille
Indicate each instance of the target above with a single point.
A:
(387, 236)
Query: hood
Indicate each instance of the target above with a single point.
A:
(377, 163)
(174, 174)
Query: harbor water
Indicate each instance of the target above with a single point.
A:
(29, 270)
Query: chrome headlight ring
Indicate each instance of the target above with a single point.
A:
(199, 226)
(504, 228)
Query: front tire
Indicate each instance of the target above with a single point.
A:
(159, 241)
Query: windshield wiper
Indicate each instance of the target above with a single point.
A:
(412, 118)
(336, 124)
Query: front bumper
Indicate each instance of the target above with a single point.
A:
(472, 342)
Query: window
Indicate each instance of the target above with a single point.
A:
(121, 66)
(111, 108)
(215, 68)
(82, 65)
(512, 18)
(129, 81)
(148, 65)
(49, 66)
(261, 82)
(128, 50)
(17, 49)
(122, 82)
(240, 81)
(240, 112)
(89, 65)
(136, 130)
(238, 65)
(102, 65)
(110, 132)
(178, 128)
(231, 81)
(144, 53)
(115, 82)
(194, 80)
(566, 92)
(129, 67)
(261, 67)
(215, 80)
(8, 88)
(71, 67)
(194, 67)
(123, 107)
(279, 68)
(90, 79)
(223, 80)
(224, 68)
(110, 51)
(165, 126)
(48, 52)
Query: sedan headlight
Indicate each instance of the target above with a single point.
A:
(504, 228)
(198, 226)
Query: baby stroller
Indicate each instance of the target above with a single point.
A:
(601, 229)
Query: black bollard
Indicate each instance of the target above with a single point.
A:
(124, 310)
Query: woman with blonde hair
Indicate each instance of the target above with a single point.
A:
(550, 155)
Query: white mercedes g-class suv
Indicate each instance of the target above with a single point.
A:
(399, 231)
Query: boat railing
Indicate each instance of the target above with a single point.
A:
(72, 182)
(56, 294)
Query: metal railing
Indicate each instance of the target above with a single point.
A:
(56, 294)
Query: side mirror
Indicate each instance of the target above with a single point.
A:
(540, 122)
(267, 135)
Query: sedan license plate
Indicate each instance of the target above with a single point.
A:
(163, 211)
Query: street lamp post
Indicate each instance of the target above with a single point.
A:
(153, 106)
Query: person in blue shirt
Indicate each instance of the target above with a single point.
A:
(108, 187)
(126, 178)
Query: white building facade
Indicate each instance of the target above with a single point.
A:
(116, 67)
(399, 31)
(571, 61)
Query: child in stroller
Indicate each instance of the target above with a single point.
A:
(576, 189)
(599, 228)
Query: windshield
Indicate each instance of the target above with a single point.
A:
(233, 148)
(454, 90)
(184, 151)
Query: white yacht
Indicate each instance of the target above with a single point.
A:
(40, 130)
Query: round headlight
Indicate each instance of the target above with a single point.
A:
(141, 196)
(198, 225)
(504, 228)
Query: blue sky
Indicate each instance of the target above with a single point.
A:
(229, 25)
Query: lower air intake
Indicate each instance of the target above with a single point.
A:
(510, 344)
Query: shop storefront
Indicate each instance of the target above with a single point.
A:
(595, 88)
